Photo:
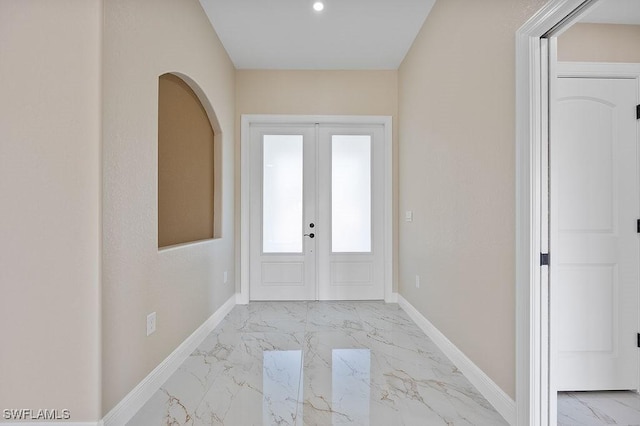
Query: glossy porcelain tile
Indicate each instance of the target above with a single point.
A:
(391, 318)
(324, 316)
(260, 385)
(179, 397)
(317, 363)
(266, 317)
(598, 408)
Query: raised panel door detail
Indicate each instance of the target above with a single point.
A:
(590, 325)
(282, 273)
(351, 273)
(587, 190)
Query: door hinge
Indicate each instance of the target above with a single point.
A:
(638, 226)
(639, 340)
(544, 259)
(638, 112)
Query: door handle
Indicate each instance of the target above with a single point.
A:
(311, 235)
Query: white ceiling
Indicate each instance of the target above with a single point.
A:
(615, 12)
(288, 34)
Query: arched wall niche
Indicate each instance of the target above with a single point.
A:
(189, 163)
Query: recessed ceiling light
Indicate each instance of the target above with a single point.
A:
(318, 6)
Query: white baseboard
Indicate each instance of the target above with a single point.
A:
(133, 402)
(242, 299)
(391, 298)
(487, 387)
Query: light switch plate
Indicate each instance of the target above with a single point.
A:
(408, 216)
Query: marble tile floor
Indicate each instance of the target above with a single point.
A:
(598, 408)
(317, 363)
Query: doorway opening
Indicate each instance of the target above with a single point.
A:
(595, 265)
(538, 342)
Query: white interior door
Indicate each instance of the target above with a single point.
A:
(595, 248)
(317, 208)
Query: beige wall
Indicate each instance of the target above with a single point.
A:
(600, 43)
(142, 40)
(457, 175)
(317, 92)
(50, 205)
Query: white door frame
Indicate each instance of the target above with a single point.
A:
(245, 174)
(533, 402)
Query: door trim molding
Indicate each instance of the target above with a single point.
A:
(532, 316)
(245, 175)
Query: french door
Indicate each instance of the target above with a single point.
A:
(316, 212)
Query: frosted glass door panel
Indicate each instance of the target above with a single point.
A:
(351, 194)
(282, 194)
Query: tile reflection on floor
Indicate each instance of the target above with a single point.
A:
(598, 408)
(317, 363)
